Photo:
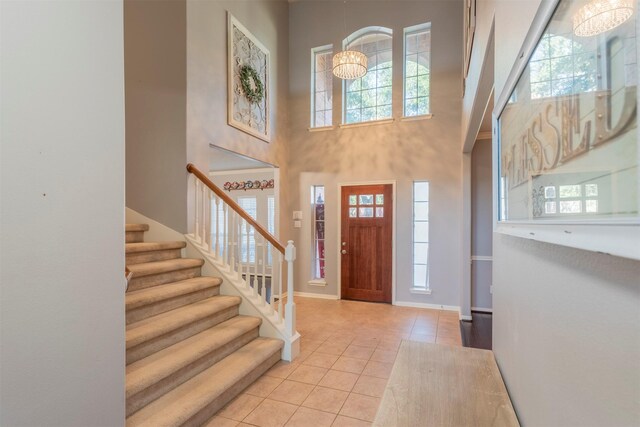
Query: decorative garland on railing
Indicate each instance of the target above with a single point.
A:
(254, 92)
(248, 185)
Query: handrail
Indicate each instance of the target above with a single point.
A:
(229, 201)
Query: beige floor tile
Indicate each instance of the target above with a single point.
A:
(449, 341)
(263, 386)
(370, 386)
(342, 421)
(271, 414)
(431, 329)
(240, 407)
(303, 355)
(307, 417)
(360, 407)
(349, 364)
(423, 338)
(326, 399)
(339, 380)
(378, 369)
(291, 392)
(358, 352)
(332, 348)
(366, 342)
(282, 369)
(321, 360)
(448, 330)
(221, 422)
(390, 344)
(384, 356)
(308, 374)
(311, 345)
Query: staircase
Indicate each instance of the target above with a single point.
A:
(188, 351)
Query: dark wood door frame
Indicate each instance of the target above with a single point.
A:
(393, 232)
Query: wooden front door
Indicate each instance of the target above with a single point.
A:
(366, 242)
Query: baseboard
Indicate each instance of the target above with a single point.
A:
(313, 295)
(425, 305)
(482, 310)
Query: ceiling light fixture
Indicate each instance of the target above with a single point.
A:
(599, 16)
(349, 64)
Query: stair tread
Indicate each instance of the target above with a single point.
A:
(154, 294)
(153, 368)
(186, 400)
(163, 323)
(137, 247)
(157, 267)
(136, 227)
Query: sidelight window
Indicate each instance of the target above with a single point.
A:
(317, 205)
(421, 235)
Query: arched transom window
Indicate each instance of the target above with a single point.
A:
(369, 98)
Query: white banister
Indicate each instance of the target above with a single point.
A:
(240, 249)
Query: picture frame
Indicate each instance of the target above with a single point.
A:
(249, 81)
(566, 163)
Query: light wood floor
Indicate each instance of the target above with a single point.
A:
(348, 349)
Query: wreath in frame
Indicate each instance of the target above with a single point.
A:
(252, 86)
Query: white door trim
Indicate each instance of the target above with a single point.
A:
(393, 233)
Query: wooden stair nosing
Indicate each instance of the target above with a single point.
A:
(198, 397)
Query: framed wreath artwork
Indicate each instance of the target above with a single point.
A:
(248, 82)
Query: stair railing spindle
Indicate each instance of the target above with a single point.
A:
(196, 222)
(264, 271)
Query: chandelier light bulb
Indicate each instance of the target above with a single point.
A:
(599, 16)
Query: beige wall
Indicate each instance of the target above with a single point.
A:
(62, 328)
(565, 325)
(207, 82)
(156, 100)
(402, 151)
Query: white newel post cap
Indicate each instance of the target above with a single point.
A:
(290, 252)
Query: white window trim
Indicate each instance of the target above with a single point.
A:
(427, 287)
(312, 112)
(345, 42)
(409, 30)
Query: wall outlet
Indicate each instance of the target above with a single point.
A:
(297, 224)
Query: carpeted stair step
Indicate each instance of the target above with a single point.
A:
(160, 272)
(195, 401)
(137, 253)
(157, 374)
(135, 232)
(148, 302)
(163, 330)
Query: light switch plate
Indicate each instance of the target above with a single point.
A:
(297, 214)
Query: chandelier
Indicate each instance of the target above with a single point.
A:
(349, 64)
(599, 16)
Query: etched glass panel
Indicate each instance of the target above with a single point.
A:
(549, 192)
(366, 199)
(550, 207)
(570, 206)
(591, 206)
(379, 212)
(353, 212)
(591, 190)
(353, 200)
(379, 199)
(568, 191)
(366, 213)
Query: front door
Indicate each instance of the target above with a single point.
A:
(366, 242)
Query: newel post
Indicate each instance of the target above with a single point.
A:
(290, 307)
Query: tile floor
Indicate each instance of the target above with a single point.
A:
(347, 353)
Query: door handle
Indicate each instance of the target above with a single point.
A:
(344, 251)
